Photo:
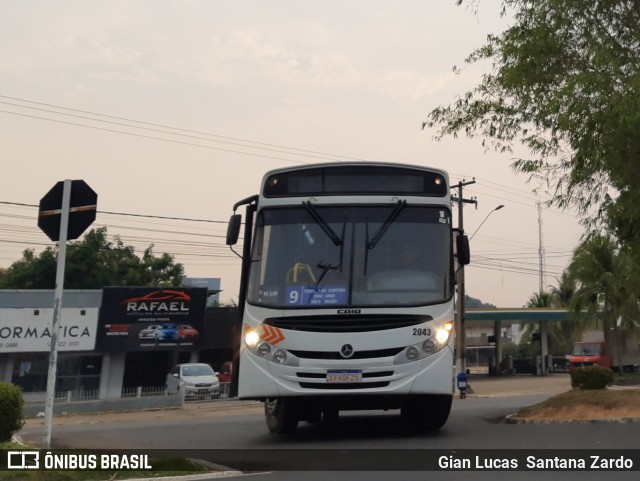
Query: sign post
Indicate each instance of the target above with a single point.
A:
(58, 202)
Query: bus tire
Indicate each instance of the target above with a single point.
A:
(281, 415)
(428, 412)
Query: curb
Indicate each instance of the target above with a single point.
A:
(513, 419)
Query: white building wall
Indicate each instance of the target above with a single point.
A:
(112, 375)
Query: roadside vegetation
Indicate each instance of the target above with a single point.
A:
(562, 97)
(589, 399)
(627, 379)
(579, 404)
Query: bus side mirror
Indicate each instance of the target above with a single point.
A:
(233, 229)
(464, 253)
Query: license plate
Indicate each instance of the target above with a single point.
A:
(344, 375)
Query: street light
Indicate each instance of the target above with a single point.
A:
(498, 353)
(497, 208)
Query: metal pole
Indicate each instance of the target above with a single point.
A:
(57, 309)
(461, 345)
(485, 219)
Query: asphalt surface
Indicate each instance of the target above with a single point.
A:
(472, 428)
(480, 386)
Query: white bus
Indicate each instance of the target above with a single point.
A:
(347, 293)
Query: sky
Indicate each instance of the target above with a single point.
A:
(175, 110)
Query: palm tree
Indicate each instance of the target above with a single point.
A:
(565, 290)
(570, 330)
(606, 283)
(541, 299)
(556, 335)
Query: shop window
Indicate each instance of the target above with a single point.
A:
(30, 372)
(79, 374)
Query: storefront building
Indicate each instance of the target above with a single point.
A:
(111, 341)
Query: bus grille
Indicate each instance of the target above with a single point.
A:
(347, 323)
(356, 355)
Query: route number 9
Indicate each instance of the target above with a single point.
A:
(293, 297)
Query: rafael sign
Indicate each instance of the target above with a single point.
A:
(151, 318)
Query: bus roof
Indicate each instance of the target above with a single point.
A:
(353, 178)
(356, 164)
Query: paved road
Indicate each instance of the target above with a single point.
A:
(481, 385)
(234, 434)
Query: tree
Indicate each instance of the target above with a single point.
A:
(93, 263)
(565, 290)
(474, 303)
(563, 334)
(540, 300)
(565, 83)
(607, 284)
(569, 330)
(31, 272)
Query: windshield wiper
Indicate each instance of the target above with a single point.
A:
(371, 243)
(326, 268)
(313, 212)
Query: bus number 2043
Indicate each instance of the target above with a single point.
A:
(421, 331)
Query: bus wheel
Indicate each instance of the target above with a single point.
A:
(281, 415)
(428, 412)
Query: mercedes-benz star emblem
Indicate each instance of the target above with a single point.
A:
(346, 350)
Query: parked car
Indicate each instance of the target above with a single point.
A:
(195, 380)
(187, 333)
(149, 332)
(168, 332)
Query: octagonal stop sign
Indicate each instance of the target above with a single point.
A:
(82, 210)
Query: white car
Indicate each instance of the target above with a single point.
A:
(195, 380)
(149, 332)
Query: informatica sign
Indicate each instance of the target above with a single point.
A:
(22, 331)
(138, 319)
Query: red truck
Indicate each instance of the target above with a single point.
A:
(600, 353)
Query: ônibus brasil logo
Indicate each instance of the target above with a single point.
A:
(161, 301)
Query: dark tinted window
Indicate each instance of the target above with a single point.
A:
(353, 180)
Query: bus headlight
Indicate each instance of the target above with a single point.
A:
(431, 345)
(251, 338)
(443, 332)
(280, 356)
(412, 353)
(264, 349)
(269, 352)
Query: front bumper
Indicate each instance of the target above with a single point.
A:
(260, 379)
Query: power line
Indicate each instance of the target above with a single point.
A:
(153, 137)
(188, 133)
(129, 214)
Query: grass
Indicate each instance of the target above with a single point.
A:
(627, 379)
(579, 404)
(173, 466)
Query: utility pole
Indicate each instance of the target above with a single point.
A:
(461, 345)
(544, 348)
(540, 250)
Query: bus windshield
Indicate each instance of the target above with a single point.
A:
(376, 255)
